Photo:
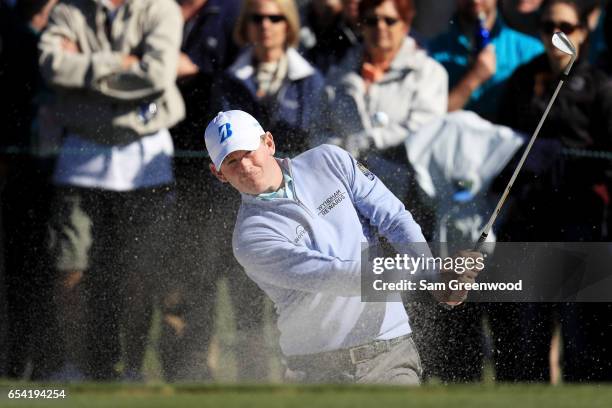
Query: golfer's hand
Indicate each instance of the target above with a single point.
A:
(470, 274)
(464, 275)
(485, 65)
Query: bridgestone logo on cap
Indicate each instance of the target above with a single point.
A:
(225, 131)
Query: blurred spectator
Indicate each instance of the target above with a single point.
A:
(113, 65)
(329, 30)
(27, 190)
(384, 91)
(188, 308)
(269, 79)
(522, 15)
(581, 118)
(480, 52)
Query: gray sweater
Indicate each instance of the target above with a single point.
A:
(306, 253)
(97, 98)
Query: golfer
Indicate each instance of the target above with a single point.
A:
(299, 235)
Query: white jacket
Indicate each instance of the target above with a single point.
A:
(413, 92)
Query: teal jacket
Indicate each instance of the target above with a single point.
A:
(453, 50)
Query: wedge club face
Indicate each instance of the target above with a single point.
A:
(563, 44)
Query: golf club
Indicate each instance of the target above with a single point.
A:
(562, 43)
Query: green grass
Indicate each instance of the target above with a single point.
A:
(514, 396)
(155, 393)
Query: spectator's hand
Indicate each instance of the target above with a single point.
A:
(186, 67)
(70, 46)
(128, 61)
(485, 65)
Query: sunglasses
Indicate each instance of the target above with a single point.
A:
(373, 21)
(549, 27)
(273, 18)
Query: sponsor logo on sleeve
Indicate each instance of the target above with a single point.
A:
(365, 171)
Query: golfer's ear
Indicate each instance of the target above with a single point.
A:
(269, 142)
(217, 173)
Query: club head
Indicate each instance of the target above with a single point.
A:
(563, 44)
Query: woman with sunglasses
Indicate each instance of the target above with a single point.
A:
(384, 91)
(580, 118)
(565, 199)
(269, 78)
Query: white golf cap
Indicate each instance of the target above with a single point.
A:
(231, 131)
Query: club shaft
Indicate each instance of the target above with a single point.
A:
(500, 203)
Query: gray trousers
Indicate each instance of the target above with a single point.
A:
(400, 365)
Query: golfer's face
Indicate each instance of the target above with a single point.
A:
(249, 171)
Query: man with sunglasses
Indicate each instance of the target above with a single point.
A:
(299, 236)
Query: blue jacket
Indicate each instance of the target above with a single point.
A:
(292, 115)
(305, 253)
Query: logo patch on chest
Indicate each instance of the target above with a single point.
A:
(299, 234)
(331, 202)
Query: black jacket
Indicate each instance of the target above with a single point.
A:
(558, 196)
